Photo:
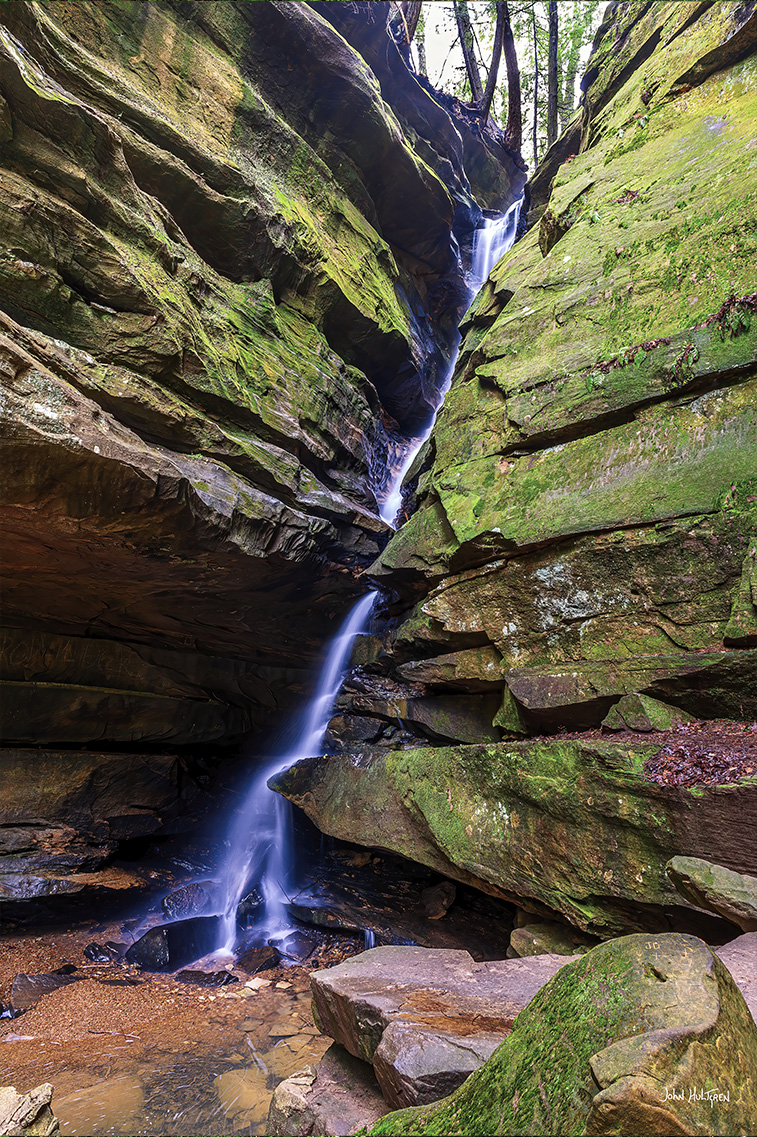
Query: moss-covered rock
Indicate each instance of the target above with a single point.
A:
(640, 712)
(215, 307)
(557, 826)
(642, 1036)
(549, 937)
(730, 894)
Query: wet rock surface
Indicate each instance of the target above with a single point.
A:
(257, 959)
(680, 1022)
(379, 898)
(207, 978)
(191, 900)
(171, 946)
(27, 990)
(104, 953)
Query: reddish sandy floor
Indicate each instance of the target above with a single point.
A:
(130, 1053)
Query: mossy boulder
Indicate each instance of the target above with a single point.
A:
(729, 894)
(548, 937)
(641, 1036)
(641, 713)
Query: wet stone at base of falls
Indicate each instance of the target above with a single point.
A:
(207, 978)
(108, 952)
(295, 946)
(26, 990)
(257, 959)
(250, 908)
(191, 900)
(170, 946)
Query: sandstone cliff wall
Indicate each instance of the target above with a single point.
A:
(587, 512)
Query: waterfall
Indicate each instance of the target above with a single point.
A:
(259, 853)
(491, 240)
(259, 842)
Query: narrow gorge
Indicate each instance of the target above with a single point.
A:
(343, 453)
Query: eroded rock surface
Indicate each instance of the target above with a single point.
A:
(586, 530)
(649, 1021)
(227, 283)
(217, 325)
(65, 811)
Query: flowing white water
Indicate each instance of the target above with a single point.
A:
(491, 240)
(259, 855)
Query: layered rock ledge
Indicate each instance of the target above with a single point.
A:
(572, 827)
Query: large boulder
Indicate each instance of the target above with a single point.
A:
(587, 511)
(729, 894)
(568, 826)
(424, 1017)
(643, 1035)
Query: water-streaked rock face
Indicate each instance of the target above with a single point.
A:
(587, 514)
(219, 250)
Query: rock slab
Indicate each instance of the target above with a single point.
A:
(424, 1017)
(479, 815)
(642, 1035)
(731, 895)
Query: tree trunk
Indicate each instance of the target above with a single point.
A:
(568, 103)
(514, 128)
(552, 75)
(491, 81)
(411, 10)
(420, 43)
(465, 32)
(536, 87)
